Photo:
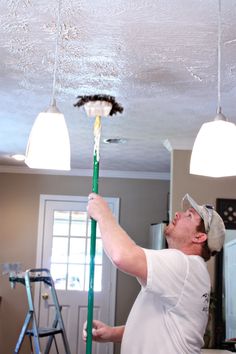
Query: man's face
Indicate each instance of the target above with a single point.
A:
(182, 229)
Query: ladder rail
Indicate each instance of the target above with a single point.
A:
(60, 320)
(31, 307)
(23, 332)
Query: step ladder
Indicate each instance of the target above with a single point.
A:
(30, 327)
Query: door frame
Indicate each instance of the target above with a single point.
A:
(40, 240)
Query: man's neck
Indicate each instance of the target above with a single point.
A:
(193, 250)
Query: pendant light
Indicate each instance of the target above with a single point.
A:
(213, 153)
(49, 145)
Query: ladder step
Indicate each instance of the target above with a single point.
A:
(44, 332)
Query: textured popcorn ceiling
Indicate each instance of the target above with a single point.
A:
(158, 58)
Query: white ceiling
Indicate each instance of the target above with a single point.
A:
(158, 58)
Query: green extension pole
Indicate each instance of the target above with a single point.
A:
(97, 129)
(96, 105)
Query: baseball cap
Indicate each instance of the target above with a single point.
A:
(214, 225)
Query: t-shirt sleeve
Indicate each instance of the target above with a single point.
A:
(167, 271)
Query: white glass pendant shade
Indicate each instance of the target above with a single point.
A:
(214, 150)
(49, 145)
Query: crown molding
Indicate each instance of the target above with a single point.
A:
(178, 144)
(88, 173)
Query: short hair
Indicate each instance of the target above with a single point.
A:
(206, 252)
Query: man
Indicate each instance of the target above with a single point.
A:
(170, 313)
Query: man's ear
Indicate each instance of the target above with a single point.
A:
(199, 237)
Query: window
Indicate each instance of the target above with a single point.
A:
(71, 251)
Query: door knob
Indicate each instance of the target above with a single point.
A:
(45, 296)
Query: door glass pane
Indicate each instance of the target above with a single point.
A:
(98, 231)
(98, 278)
(75, 277)
(78, 223)
(59, 249)
(98, 256)
(77, 250)
(61, 223)
(59, 272)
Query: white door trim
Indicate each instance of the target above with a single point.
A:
(39, 254)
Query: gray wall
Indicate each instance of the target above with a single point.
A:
(142, 202)
(203, 189)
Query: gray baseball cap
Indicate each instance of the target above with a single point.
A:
(214, 225)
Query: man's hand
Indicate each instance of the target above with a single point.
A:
(98, 207)
(104, 333)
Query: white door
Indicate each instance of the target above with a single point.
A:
(63, 247)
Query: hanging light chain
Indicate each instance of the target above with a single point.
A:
(56, 53)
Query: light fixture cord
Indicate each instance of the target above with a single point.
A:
(219, 59)
(56, 54)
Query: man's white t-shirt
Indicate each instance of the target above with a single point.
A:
(170, 313)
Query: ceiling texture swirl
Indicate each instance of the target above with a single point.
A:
(158, 58)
